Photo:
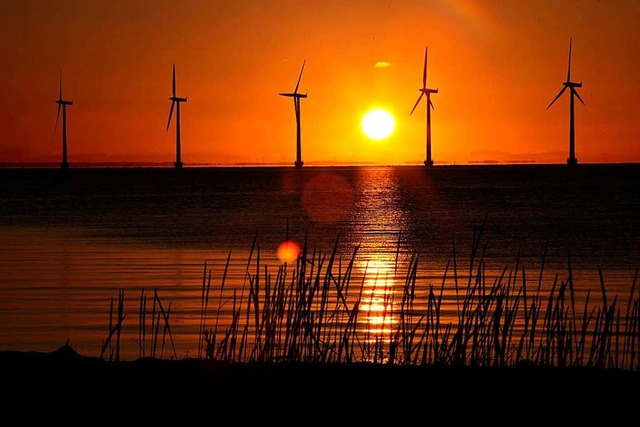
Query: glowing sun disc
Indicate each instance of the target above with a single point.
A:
(378, 124)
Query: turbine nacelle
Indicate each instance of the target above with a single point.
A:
(572, 88)
(294, 95)
(63, 102)
(423, 92)
(176, 99)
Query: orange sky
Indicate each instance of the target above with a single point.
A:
(497, 63)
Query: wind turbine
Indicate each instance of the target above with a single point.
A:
(572, 160)
(62, 104)
(296, 105)
(424, 91)
(175, 101)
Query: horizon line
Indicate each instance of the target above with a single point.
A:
(168, 164)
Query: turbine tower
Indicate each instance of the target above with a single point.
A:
(62, 104)
(175, 101)
(572, 160)
(296, 105)
(424, 91)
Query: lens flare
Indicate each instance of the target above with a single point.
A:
(288, 251)
(327, 198)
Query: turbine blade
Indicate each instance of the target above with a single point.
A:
(557, 96)
(569, 69)
(174, 81)
(57, 116)
(170, 114)
(575, 92)
(300, 77)
(424, 72)
(431, 105)
(60, 93)
(417, 102)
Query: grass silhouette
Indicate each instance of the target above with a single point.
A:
(319, 311)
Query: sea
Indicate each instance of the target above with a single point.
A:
(72, 241)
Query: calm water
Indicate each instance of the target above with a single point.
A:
(70, 241)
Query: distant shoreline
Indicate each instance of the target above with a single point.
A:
(308, 165)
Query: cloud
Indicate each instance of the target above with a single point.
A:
(382, 64)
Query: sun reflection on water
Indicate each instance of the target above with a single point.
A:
(378, 221)
(378, 300)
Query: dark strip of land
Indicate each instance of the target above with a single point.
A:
(63, 374)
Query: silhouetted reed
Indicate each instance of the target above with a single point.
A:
(157, 314)
(114, 329)
(321, 310)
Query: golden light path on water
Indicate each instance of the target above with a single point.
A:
(378, 300)
(381, 219)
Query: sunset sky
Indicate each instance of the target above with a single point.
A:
(497, 64)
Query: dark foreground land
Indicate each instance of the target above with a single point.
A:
(364, 391)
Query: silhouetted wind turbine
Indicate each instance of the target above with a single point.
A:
(426, 92)
(572, 160)
(296, 104)
(63, 104)
(176, 101)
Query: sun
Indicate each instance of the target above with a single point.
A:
(378, 124)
